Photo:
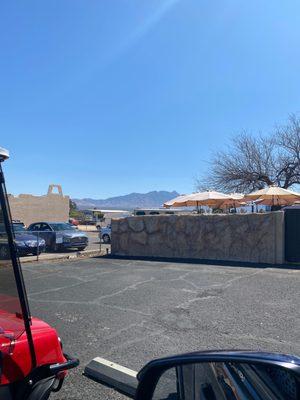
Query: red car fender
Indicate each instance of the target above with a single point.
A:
(16, 364)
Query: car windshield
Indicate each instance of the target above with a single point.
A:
(11, 320)
(19, 228)
(61, 227)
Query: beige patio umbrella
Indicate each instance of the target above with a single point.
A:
(235, 200)
(209, 198)
(273, 195)
(176, 202)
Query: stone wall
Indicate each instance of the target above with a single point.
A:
(238, 237)
(51, 207)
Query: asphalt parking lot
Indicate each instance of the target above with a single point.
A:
(132, 311)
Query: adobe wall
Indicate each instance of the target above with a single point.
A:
(51, 207)
(257, 238)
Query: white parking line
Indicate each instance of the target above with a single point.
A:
(113, 365)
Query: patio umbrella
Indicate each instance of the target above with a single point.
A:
(176, 202)
(209, 198)
(235, 200)
(273, 195)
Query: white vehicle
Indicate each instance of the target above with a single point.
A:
(105, 234)
(101, 217)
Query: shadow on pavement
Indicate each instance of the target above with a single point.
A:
(206, 262)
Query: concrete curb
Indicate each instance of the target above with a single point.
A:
(67, 256)
(113, 375)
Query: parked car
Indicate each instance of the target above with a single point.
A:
(26, 242)
(4, 249)
(17, 221)
(73, 221)
(59, 235)
(105, 234)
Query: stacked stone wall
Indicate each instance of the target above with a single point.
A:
(255, 238)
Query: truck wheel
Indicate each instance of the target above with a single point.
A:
(106, 239)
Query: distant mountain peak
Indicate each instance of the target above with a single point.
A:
(130, 201)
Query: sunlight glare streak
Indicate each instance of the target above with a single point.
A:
(146, 26)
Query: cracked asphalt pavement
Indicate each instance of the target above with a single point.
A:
(132, 311)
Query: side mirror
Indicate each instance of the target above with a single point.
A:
(221, 375)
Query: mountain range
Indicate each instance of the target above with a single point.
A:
(130, 201)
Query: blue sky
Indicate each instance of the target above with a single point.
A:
(107, 97)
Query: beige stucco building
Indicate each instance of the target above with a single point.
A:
(50, 207)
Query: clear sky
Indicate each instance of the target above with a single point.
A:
(107, 97)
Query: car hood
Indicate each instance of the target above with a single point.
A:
(25, 236)
(72, 233)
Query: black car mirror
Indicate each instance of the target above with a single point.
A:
(221, 376)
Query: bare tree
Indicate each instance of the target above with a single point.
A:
(288, 141)
(251, 163)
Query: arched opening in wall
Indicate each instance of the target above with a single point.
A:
(57, 191)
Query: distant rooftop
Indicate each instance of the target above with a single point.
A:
(106, 211)
(177, 209)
